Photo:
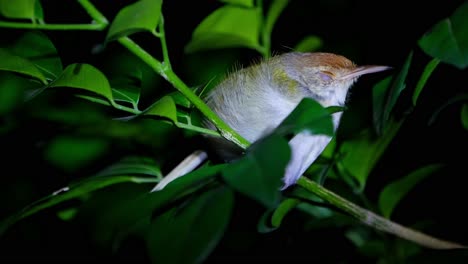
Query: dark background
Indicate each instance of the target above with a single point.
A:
(368, 32)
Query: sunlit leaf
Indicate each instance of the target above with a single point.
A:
(198, 224)
(227, 27)
(464, 116)
(447, 40)
(13, 63)
(308, 44)
(259, 174)
(245, 3)
(164, 107)
(140, 16)
(394, 192)
(84, 76)
(21, 9)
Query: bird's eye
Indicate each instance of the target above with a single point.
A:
(326, 76)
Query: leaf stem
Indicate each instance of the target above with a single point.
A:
(373, 220)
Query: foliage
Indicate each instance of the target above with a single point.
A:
(96, 133)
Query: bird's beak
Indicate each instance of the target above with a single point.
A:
(361, 70)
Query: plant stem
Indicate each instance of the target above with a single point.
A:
(373, 220)
(99, 19)
(53, 26)
(166, 72)
(162, 37)
(93, 12)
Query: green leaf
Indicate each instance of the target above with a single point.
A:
(398, 85)
(244, 3)
(141, 207)
(13, 63)
(430, 67)
(190, 232)
(447, 40)
(85, 150)
(126, 93)
(20, 9)
(141, 16)
(308, 115)
(391, 96)
(12, 89)
(394, 192)
(227, 27)
(379, 92)
(308, 44)
(259, 174)
(164, 107)
(74, 190)
(37, 47)
(133, 165)
(362, 152)
(84, 76)
(180, 99)
(464, 116)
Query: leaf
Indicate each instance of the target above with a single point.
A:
(244, 3)
(398, 85)
(307, 115)
(37, 47)
(126, 93)
(133, 165)
(12, 89)
(308, 44)
(13, 63)
(362, 152)
(164, 107)
(72, 191)
(180, 99)
(140, 208)
(84, 76)
(21, 9)
(447, 40)
(194, 228)
(464, 116)
(85, 150)
(391, 96)
(227, 27)
(259, 174)
(430, 67)
(141, 16)
(379, 92)
(394, 192)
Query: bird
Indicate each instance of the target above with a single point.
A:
(254, 100)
